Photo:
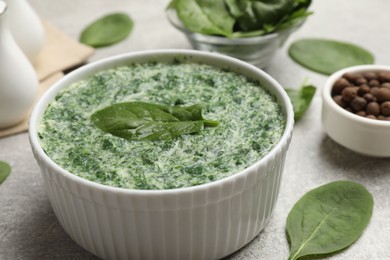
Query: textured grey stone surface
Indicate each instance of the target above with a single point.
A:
(28, 226)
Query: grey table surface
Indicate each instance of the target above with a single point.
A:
(28, 226)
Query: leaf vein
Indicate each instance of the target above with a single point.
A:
(316, 229)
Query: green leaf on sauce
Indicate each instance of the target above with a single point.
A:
(301, 99)
(107, 30)
(5, 170)
(145, 121)
(328, 219)
(328, 56)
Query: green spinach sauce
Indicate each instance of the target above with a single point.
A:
(251, 123)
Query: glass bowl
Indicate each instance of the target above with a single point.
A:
(258, 50)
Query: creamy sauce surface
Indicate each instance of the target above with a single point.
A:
(251, 124)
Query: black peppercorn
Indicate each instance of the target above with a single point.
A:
(369, 97)
(360, 81)
(363, 89)
(374, 91)
(371, 116)
(374, 83)
(339, 86)
(373, 108)
(370, 75)
(385, 108)
(384, 76)
(386, 85)
(358, 104)
(361, 113)
(339, 101)
(383, 95)
(352, 77)
(349, 94)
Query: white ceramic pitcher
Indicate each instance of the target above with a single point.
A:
(26, 27)
(18, 81)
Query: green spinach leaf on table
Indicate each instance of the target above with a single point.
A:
(146, 121)
(301, 99)
(5, 170)
(328, 56)
(328, 219)
(107, 30)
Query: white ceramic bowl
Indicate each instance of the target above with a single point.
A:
(257, 50)
(208, 221)
(360, 134)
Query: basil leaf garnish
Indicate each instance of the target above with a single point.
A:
(107, 30)
(328, 56)
(146, 121)
(301, 99)
(328, 218)
(5, 170)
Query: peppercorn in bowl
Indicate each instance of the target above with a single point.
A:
(356, 109)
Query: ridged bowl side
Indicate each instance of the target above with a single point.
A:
(204, 224)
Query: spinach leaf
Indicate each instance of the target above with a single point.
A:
(255, 14)
(297, 17)
(145, 121)
(107, 30)
(328, 218)
(5, 170)
(217, 12)
(301, 99)
(204, 16)
(328, 56)
(240, 18)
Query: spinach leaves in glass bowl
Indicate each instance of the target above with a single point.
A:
(251, 31)
(240, 18)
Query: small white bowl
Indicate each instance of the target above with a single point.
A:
(208, 221)
(362, 135)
